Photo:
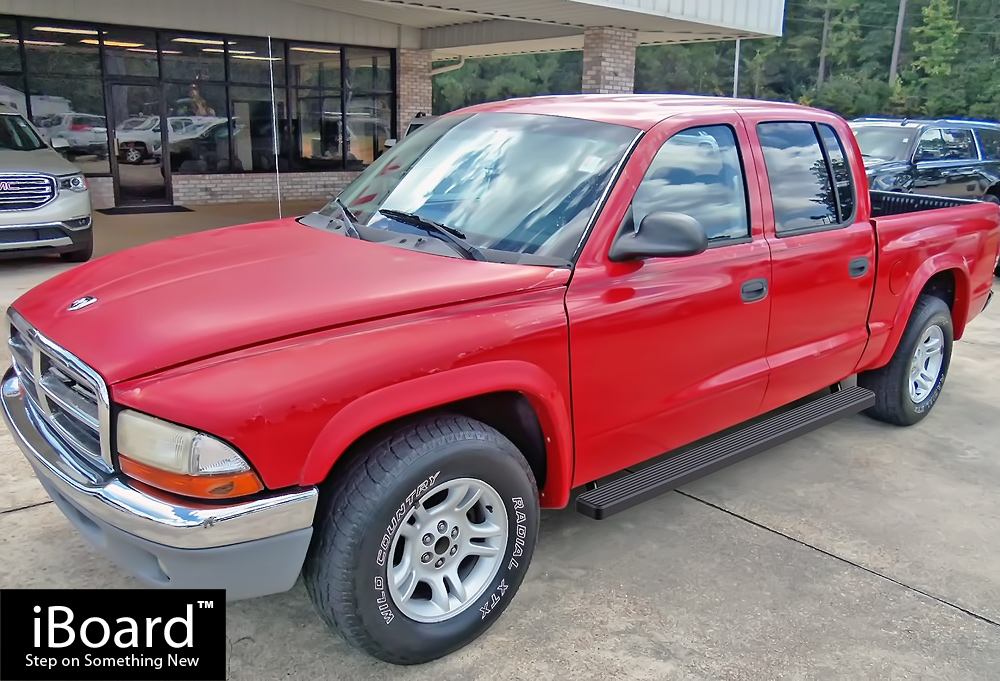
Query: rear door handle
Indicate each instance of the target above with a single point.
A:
(754, 290)
(858, 267)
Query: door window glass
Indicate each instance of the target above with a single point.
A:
(958, 144)
(989, 139)
(931, 146)
(841, 171)
(698, 172)
(802, 194)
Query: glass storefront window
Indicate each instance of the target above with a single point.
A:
(318, 129)
(369, 121)
(130, 52)
(12, 94)
(368, 70)
(10, 52)
(249, 61)
(314, 65)
(188, 56)
(53, 48)
(203, 145)
(73, 109)
(253, 119)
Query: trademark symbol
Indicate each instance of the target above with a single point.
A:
(206, 605)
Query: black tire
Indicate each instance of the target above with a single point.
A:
(82, 255)
(347, 570)
(890, 383)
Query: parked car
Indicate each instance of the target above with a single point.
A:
(526, 298)
(204, 149)
(139, 143)
(86, 134)
(44, 199)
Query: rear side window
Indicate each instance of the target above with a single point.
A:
(802, 192)
(989, 140)
(958, 144)
(698, 172)
(841, 172)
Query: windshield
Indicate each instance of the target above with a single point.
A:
(885, 143)
(17, 135)
(521, 183)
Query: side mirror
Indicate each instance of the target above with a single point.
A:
(60, 143)
(660, 235)
(389, 143)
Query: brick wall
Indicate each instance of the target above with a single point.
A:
(102, 192)
(194, 190)
(414, 70)
(608, 60)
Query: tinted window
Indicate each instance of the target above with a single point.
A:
(958, 144)
(697, 172)
(931, 145)
(801, 192)
(989, 139)
(841, 171)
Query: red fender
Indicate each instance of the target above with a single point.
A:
(396, 401)
(960, 311)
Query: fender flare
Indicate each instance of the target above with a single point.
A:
(943, 262)
(387, 404)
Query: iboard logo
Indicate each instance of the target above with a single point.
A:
(112, 634)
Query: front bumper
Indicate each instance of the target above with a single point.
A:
(63, 225)
(250, 548)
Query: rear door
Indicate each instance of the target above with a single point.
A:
(947, 164)
(822, 257)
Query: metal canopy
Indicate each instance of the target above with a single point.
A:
(478, 28)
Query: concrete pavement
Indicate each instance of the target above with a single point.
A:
(861, 551)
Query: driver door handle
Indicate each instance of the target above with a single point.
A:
(753, 290)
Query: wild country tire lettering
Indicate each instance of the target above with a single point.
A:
(383, 598)
(520, 533)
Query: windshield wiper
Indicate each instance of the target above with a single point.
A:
(448, 234)
(350, 222)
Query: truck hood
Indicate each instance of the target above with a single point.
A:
(196, 296)
(38, 161)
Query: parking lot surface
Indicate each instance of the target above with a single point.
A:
(859, 551)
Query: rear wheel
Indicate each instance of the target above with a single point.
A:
(423, 540)
(907, 388)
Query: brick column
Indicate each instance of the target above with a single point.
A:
(608, 60)
(414, 75)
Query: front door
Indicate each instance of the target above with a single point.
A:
(137, 143)
(665, 351)
(947, 164)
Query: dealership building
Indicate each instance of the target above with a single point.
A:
(296, 96)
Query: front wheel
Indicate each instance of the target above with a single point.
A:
(424, 539)
(907, 388)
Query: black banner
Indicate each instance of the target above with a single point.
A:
(112, 634)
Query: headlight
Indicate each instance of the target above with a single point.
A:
(181, 460)
(74, 183)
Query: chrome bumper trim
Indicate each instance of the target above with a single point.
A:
(38, 243)
(162, 519)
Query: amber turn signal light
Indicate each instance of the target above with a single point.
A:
(223, 486)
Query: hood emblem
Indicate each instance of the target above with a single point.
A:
(81, 303)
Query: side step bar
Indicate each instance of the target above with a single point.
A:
(678, 470)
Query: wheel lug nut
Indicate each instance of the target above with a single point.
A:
(442, 527)
(428, 540)
(454, 533)
(426, 558)
(454, 550)
(439, 563)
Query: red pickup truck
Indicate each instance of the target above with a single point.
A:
(521, 299)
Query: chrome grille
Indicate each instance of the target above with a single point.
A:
(62, 393)
(26, 191)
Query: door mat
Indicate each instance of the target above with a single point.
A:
(136, 210)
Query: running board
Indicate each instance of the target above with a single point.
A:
(675, 471)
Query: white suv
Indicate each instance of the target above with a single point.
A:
(44, 200)
(86, 134)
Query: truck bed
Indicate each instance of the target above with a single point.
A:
(897, 203)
